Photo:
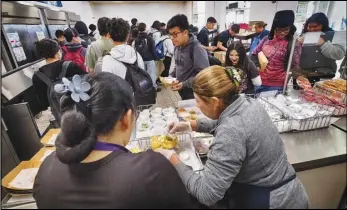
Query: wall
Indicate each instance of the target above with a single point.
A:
(265, 10)
(337, 11)
(81, 8)
(144, 12)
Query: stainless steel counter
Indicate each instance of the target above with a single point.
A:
(341, 124)
(317, 148)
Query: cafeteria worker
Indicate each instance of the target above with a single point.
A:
(247, 166)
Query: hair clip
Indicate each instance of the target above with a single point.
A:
(77, 88)
(234, 74)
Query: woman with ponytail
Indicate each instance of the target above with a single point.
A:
(91, 167)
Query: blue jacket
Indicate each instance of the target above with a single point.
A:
(257, 39)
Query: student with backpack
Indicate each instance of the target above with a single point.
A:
(82, 29)
(73, 49)
(190, 57)
(54, 70)
(145, 45)
(98, 49)
(165, 45)
(125, 62)
(154, 32)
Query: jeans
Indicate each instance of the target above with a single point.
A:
(264, 88)
(151, 69)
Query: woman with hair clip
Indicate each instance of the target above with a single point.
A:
(247, 164)
(237, 57)
(276, 48)
(91, 168)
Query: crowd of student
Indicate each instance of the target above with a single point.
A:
(246, 167)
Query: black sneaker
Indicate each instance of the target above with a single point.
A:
(158, 89)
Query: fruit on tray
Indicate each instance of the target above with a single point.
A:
(135, 150)
(164, 141)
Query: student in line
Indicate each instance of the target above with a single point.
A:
(51, 52)
(144, 44)
(225, 38)
(73, 49)
(154, 31)
(190, 57)
(121, 52)
(205, 35)
(82, 29)
(59, 34)
(100, 47)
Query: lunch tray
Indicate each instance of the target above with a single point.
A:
(185, 144)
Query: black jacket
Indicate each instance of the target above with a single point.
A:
(52, 71)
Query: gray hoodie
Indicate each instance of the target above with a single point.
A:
(121, 53)
(189, 61)
(245, 151)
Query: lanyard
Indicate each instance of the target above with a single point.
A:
(109, 147)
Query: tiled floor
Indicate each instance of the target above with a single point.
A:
(165, 98)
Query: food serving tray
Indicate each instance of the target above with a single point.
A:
(185, 145)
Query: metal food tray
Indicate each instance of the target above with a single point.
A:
(185, 144)
(311, 123)
(283, 125)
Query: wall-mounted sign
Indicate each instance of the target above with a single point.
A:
(53, 3)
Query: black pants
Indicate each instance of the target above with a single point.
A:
(186, 93)
(167, 64)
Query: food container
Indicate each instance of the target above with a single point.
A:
(144, 126)
(185, 145)
(170, 115)
(168, 111)
(158, 131)
(155, 114)
(159, 123)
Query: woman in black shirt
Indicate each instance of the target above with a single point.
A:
(50, 50)
(91, 168)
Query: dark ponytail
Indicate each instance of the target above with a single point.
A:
(110, 98)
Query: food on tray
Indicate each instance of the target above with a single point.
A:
(167, 81)
(182, 110)
(164, 141)
(336, 84)
(192, 111)
(193, 117)
(144, 125)
(303, 82)
(135, 150)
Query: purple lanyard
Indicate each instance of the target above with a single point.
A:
(108, 147)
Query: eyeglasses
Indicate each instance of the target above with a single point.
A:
(282, 30)
(174, 35)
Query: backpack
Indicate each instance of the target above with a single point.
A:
(159, 50)
(75, 57)
(141, 47)
(54, 97)
(141, 82)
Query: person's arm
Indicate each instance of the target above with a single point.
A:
(254, 73)
(220, 46)
(90, 58)
(173, 66)
(203, 125)
(200, 62)
(40, 89)
(221, 167)
(333, 51)
(257, 49)
(296, 56)
(140, 62)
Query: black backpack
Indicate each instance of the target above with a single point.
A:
(54, 97)
(141, 46)
(141, 82)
